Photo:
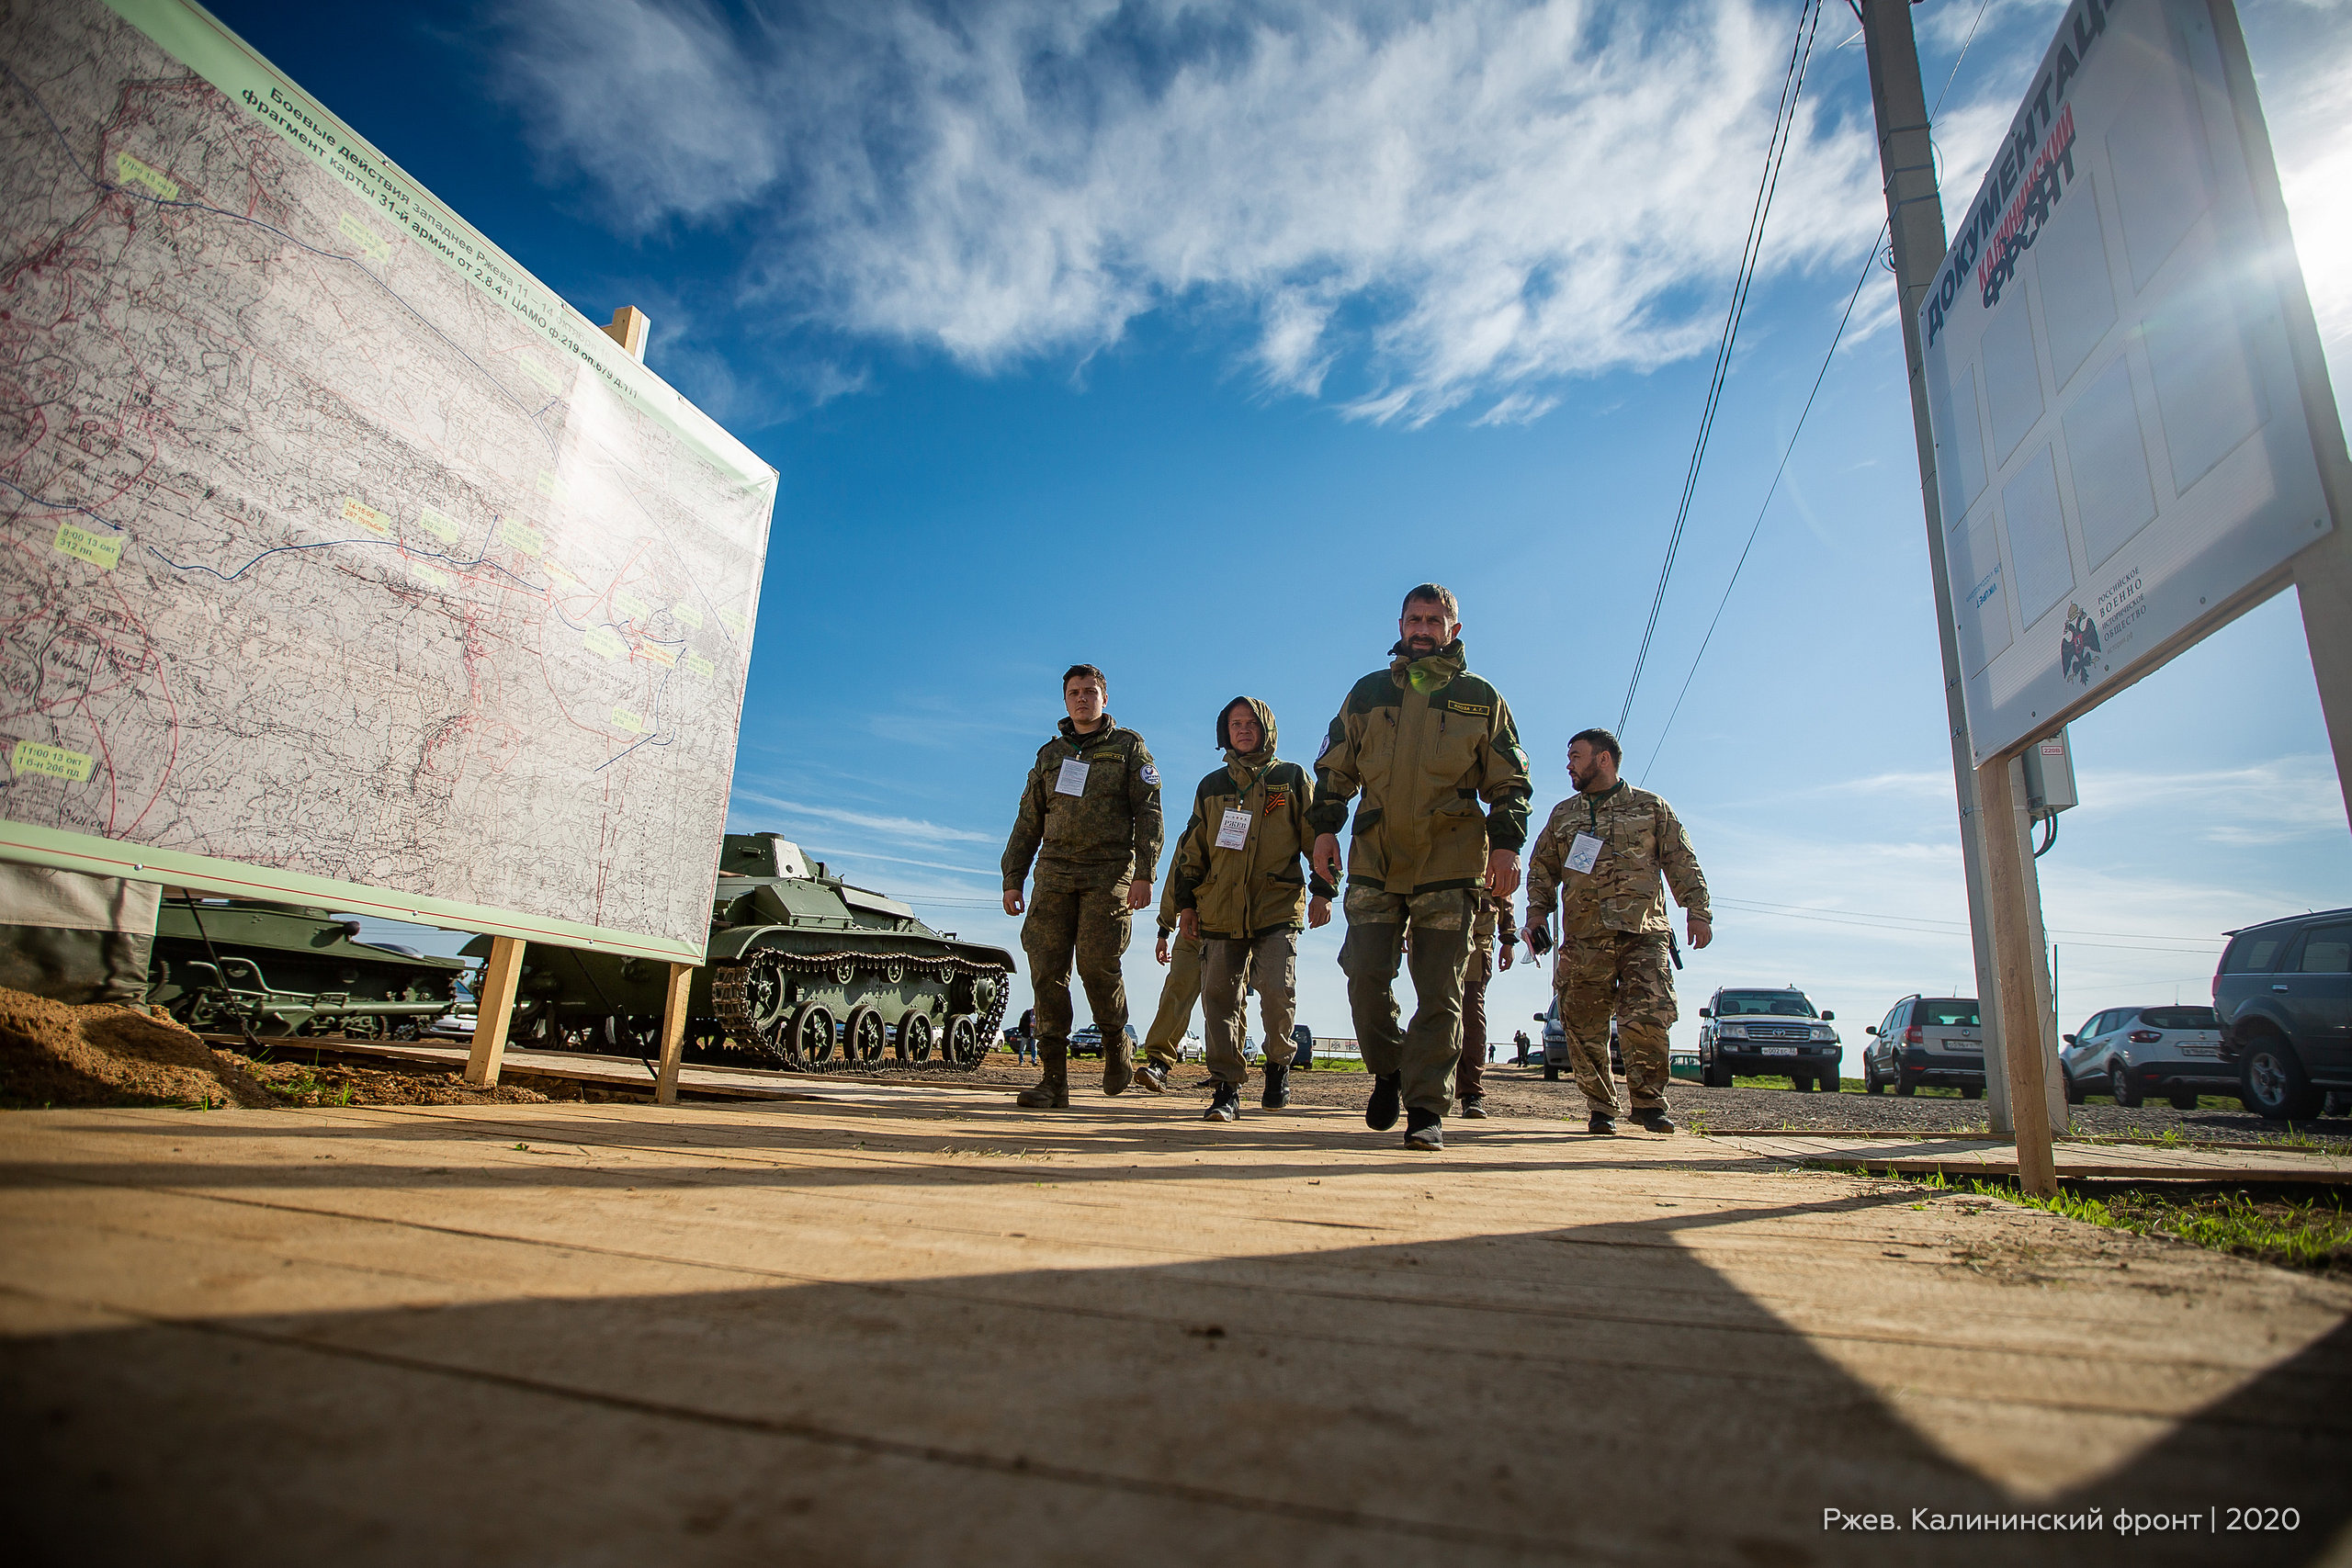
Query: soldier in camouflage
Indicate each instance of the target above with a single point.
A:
(1178, 994)
(1424, 741)
(1090, 818)
(1470, 1078)
(1598, 861)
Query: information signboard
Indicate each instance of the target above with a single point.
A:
(343, 562)
(2122, 443)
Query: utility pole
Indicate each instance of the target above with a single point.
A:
(2017, 1096)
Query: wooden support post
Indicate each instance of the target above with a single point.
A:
(2001, 791)
(628, 328)
(674, 1033)
(493, 1008)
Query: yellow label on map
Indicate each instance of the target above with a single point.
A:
(428, 576)
(522, 538)
(440, 525)
(665, 657)
(686, 615)
(376, 246)
(734, 623)
(539, 372)
(130, 171)
(698, 667)
(630, 604)
(366, 516)
(624, 719)
(553, 488)
(101, 550)
(55, 761)
(606, 641)
(562, 574)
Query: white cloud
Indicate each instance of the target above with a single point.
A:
(905, 830)
(1461, 200)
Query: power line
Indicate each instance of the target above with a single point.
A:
(1776, 154)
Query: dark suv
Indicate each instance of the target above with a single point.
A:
(2284, 994)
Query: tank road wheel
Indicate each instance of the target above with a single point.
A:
(812, 1036)
(914, 1036)
(864, 1037)
(964, 1040)
(895, 972)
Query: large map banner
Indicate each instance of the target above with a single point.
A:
(339, 559)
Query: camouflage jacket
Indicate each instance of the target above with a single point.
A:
(1493, 917)
(1425, 740)
(1261, 885)
(1100, 837)
(1640, 838)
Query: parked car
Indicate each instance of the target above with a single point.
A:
(1302, 1054)
(1766, 1033)
(1088, 1042)
(1927, 1039)
(2283, 994)
(1555, 1043)
(2174, 1052)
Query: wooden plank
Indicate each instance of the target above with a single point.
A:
(628, 328)
(674, 1033)
(493, 1010)
(1998, 791)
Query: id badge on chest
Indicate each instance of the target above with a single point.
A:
(1234, 832)
(1071, 780)
(1583, 852)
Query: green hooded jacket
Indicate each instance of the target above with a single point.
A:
(1424, 741)
(1261, 886)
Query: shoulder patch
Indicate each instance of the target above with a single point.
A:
(1152, 775)
(1325, 746)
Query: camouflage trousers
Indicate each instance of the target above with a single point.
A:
(1422, 1055)
(1093, 926)
(1470, 1076)
(1625, 975)
(1178, 996)
(1229, 966)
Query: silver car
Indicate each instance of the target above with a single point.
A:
(2173, 1052)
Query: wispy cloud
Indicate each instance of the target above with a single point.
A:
(1463, 201)
(904, 829)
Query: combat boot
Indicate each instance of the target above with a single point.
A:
(1388, 1099)
(1473, 1107)
(1602, 1125)
(1654, 1118)
(1153, 1077)
(1118, 1064)
(1050, 1092)
(1276, 1095)
(1226, 1104)
(1424, 1128)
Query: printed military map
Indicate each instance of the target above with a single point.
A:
(337, 546)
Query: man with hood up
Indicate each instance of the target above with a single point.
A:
(1424, 741)
(1240, 889)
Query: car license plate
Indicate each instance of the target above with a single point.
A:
(1780, 1050)
(2200, 1050)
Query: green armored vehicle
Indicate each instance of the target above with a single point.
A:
(803, 972)
(289, 970)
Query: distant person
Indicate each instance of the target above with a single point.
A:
(1522, 1044)
(1423, 740)
(1494, 920)
(1024, 1037)
(1163, 1044)
(1241, 893)
(1090, 818)
(1598, 859)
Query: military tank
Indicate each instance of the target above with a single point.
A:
(286, 969)
(803, 971)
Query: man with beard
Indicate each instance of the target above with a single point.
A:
(1598, 859)
(1424, 741)
(1240, 892)
(1090, 818)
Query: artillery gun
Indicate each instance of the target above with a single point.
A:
(281, 969)
(803, 971)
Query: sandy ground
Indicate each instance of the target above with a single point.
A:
(918, 1328)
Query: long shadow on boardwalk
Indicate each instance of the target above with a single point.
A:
(1425, 1402)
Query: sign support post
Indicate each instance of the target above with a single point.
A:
(1915, 219)
(493, 1010)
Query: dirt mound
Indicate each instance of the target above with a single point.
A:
(110, 1054)
(305, 1077)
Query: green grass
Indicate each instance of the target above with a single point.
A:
(2286, 1227)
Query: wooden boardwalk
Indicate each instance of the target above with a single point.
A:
(1958, 1155)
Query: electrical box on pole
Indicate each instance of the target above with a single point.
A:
(2049, 778)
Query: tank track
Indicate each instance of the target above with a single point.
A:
(733, 983)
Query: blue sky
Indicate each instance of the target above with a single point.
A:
(1182, 338)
